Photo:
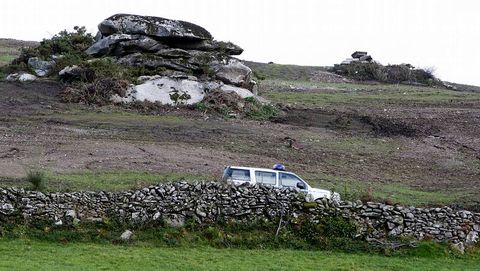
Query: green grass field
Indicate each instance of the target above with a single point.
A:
(7, 54)
(6, 58)
(378, 96)
(37, 255)
(282, 71)
(394, 193)
(102, 180)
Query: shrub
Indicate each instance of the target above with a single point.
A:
(329, 232)
(326, 226)
(398, 73)
(390, 74)
(37, 179)
(222, 103)
(179, 97)
(69, 45)
(424, 76)
(63, 43)
(12, 68)
(97, 92)
(362, 71)
(258, 111)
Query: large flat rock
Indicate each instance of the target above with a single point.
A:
(184, 90)
(157, 27)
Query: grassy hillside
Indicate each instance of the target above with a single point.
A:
(366, 140)
(388, 142)
(285, 72)
(10, 49)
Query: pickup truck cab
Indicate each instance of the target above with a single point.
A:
(275, 178)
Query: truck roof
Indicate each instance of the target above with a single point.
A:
(260, 169)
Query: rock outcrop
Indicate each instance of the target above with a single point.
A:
(157, 27)
(358, 56)
(175, 90)
(152, 43)
(41, 67)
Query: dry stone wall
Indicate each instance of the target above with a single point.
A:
(207, 202)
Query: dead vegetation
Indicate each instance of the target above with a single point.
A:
(222, 103)
(98, 92)
(232, 105)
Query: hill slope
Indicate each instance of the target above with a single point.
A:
(406, 144)
(10, 48)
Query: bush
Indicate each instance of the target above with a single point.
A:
(423, 76)
(97, 92)
(326, 233)
(258, 111)
(69, 45)
(330, 232)
(64, 43)
(362, 71)
(37, 179)
(231, 103)
(222, 103)
(398, 73)
(326, 226)
(374, 71)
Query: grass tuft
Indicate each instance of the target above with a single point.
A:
(37, 179)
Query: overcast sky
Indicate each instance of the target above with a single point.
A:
(442, 34)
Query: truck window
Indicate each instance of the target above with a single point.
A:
(289, 180)
(237, 174)
(265, 177)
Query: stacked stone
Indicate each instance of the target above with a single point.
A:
(358, 56)
(207, 202)
(441, 224)
(196, 63)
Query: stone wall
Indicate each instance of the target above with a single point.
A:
(209, 202)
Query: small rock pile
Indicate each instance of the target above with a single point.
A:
(358, 56)
(207, 202)
(40, 68)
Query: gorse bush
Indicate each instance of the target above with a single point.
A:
(362, 71)
(64, 43)
(67, 47)
(374, 71)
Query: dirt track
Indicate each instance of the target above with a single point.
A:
(435, 149)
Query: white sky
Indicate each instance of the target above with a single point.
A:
(442, 34)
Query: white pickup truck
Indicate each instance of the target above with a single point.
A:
(275, 178)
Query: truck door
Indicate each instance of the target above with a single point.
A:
(290, 180)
